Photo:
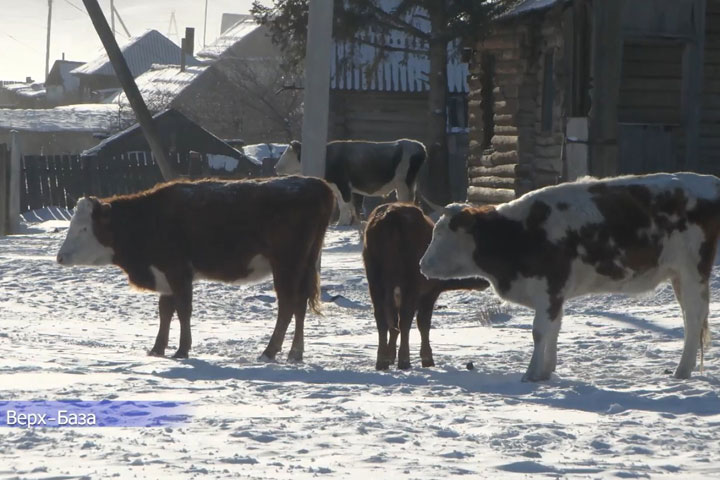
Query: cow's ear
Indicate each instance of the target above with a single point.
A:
(102, 212)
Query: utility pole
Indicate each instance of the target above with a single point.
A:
(122, 24)
(112, 16)
(317, 88)
(47, 46)
(130, 88)
(205, 24)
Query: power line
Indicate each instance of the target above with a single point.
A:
(22, 43)
(75, 6)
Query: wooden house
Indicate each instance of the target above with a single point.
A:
(97, 77)
(62, 88)
(564, 88)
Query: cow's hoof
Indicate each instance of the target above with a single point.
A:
(382, 365)
(180, 354)
(403, 364)
(266, 358)
(295, 356)
(428, 362)
(156, 353)
(682, 374)
(528, 377)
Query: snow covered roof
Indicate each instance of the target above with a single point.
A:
(162, 83)
(527, 6)
(260, 151)
(68, 118)
(404, 67)
(230, 37)
(140, 53)
(27, 90)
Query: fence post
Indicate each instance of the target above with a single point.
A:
(4, 184)
(13, 201)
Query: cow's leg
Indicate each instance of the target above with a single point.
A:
(424, 318)
(285, 288)
(407, 312)
(693, 296)
(375, 285)
(551, 348)
(167, 310)
(545, 332)
(298, 345)
(404, 192)
(183, 306)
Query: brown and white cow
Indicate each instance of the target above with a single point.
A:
(623, 235)
(395, 239)
(230, 231)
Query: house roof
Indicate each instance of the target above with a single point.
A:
(230, 37)
(526, 6)
(70, 118)
(26, 90)
(174, 129)
(162, 83)
(140, 53)
(60, 73)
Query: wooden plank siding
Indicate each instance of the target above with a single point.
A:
(710, 121)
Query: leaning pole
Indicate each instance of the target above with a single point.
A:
(130, 88)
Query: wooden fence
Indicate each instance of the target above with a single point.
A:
(4, 189)
(59, 180)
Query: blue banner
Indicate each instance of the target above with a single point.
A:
(103, 413)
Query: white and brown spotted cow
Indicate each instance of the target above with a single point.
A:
(373, 169)
(395, 239)
(230, 231)
(622, 235)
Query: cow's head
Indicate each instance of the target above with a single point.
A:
(87, 241)
(289, 162)
(450, 253)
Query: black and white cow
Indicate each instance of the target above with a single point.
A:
(372, 169)
(622, 235)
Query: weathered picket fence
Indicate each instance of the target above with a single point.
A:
(59, 180)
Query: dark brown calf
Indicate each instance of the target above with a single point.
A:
(396, 237)
(229, 231)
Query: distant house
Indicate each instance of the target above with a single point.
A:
(563, 88)
(62, 88)
(97, 77)
(202, 93)
(23, 95)
(60, 130)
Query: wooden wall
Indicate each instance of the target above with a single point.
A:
(377, 116)
(525, 152)
(710, 123)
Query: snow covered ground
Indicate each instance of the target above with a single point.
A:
(610, 412)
